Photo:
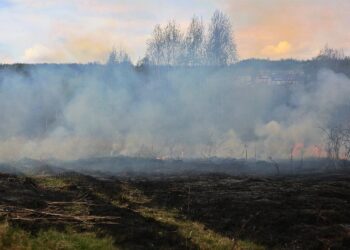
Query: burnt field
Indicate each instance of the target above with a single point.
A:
(306, 212)
(198, 211)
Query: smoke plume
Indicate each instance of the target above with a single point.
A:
(78, 111)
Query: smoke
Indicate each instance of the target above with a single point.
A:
(78, 111)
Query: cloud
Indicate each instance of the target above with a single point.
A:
(259, 25)
(77, 42)
(82, 49)
(307, 25)
(280, 49)
(40, 53)
(95, 24)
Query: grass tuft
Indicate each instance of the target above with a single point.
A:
(12, 238)
(51, 182)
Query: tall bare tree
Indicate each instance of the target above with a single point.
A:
(164, 48)
(221, 48)
(168, 46)
(194, 43)
(172, 42)
(155, 50)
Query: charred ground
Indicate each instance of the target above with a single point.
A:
(197, 211)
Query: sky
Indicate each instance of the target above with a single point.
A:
(60, 31)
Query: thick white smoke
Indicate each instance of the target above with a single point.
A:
(71, 112)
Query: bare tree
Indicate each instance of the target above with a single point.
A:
(164, 48)
(275, 164)
(328, 53)
(118, 57)
(291, 159)
(337, 142)
(112, 57)
(155, 49)
(172, 43)
(346, 142)
(194, 43)
(221, 48)
(334, 143)
(168, 46)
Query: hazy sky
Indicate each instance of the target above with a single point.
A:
(85, 30)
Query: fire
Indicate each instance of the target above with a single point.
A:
(298, 149)
(318, 151)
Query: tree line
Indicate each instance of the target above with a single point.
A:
(198, 46)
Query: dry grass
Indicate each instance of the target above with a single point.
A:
(195, 233)
(12, 238)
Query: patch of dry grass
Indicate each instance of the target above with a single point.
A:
(17, 239)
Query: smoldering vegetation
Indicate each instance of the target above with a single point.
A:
(79, 111)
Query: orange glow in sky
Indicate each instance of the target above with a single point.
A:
(85, 31)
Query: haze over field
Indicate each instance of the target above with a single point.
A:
(66, 113)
